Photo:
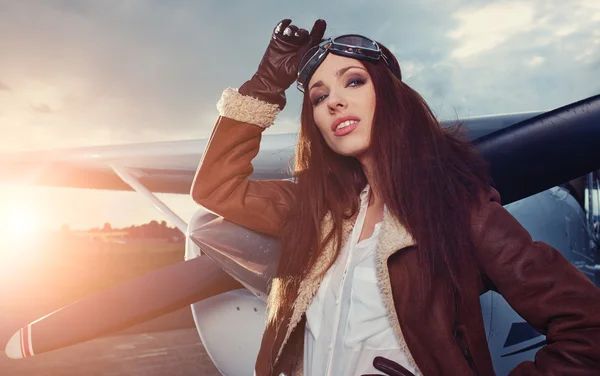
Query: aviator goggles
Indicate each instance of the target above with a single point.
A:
(350, 45)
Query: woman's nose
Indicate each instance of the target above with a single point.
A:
(335, 102)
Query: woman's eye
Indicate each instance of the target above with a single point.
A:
(356, 81)
(352, 82)
(318, 99)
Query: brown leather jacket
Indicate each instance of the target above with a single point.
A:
(536, 280)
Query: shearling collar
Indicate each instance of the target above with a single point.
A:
(394, 236)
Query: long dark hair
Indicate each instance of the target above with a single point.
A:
(429, 178)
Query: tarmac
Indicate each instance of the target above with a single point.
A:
(169, 353)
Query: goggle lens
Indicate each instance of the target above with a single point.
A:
(357, 41)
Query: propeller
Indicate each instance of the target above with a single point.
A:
(525, 158)
(134, 301)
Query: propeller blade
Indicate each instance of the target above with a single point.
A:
(137, 300)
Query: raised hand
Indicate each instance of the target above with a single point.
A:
(278, 68)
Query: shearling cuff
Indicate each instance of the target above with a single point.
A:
(247, 109)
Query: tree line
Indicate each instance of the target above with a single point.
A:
(152, 229)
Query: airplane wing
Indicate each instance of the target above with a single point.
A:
(168, 167)
(162, 167)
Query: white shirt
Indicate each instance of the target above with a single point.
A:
(347, 324)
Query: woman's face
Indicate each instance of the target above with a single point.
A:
(343, 99)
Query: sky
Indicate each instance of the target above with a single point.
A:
(83, 73)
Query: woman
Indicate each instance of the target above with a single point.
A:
(391, 230)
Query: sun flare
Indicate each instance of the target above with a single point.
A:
(23, 223)
(18, 224)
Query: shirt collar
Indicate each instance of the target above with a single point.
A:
(364, 198)
(364, 195)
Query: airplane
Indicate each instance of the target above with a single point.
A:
(545, 164)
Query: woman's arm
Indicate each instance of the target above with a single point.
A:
(544, 288)
(221, 184)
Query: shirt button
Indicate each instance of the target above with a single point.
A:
(331, 346)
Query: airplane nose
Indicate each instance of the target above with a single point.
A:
(248, 256)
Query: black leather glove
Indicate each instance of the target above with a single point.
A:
(389, 367)
(278, 68)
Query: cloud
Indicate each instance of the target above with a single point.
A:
(541, 65)
(565, 30)
(149, 71)
(535, 61)
(4, 87)
(480, 29)
(41, 108)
